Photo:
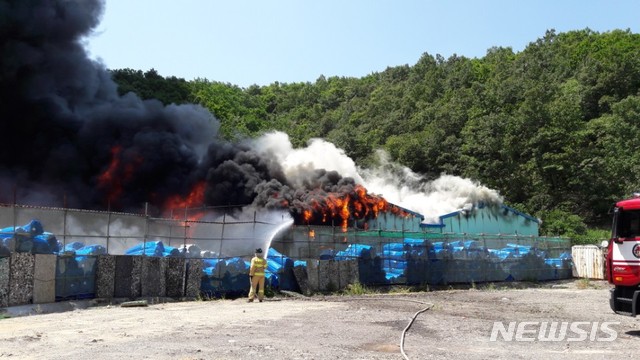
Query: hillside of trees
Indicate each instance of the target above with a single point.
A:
(554, 128)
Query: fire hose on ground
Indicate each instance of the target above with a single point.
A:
(404, 331)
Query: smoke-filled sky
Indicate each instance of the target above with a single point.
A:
(260, 42)
(70, 140)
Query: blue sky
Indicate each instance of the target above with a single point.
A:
(249, 42)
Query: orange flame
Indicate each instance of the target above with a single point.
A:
(108, 179)
(194, 199)
(112, 178)
(306, 215)
(347, 207)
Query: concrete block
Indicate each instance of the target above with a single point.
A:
(21, 279)
(4, 281)
(300, 273)
(354, 272)
(313, 275)
(136, 277)
(194, 277)
(127, 276)
(175, 276)
(105, 276)
(347, 273)
(342, 274)
(44, 279)
(332, 275)
(323, 280)
(153, 277)
(328, 275)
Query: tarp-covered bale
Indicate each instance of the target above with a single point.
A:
(75, 277)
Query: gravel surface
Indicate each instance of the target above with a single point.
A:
(457, 326)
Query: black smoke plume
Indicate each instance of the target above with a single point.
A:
(68, 138)
(63, 124)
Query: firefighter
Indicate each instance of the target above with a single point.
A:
(256, 274)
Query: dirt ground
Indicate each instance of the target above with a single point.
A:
(457, 326)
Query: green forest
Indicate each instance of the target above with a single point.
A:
(554, 128)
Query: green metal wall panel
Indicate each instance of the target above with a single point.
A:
(490, 220)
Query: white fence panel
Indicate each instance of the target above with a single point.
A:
(588, 261)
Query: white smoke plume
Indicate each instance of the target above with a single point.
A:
(396, 183)
(299, 163)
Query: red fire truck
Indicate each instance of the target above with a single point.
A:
(623, 257)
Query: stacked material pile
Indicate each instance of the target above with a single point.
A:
(28, 238)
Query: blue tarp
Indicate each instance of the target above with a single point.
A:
(501, 254)
(150, 248)
(45, 243)
(32, 228)
(326, 254)
(91, 250)
(280, 270)
(225, 276)
(73, 246)
(439, 246)
(355, 251)
(154, 248)
(418, 261)
(29, 238)
(396, 255)
(75, 277)
(414, 242)
(393, 247)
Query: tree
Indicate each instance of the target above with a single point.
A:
(151, 85)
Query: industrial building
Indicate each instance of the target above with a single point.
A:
(498, 219)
